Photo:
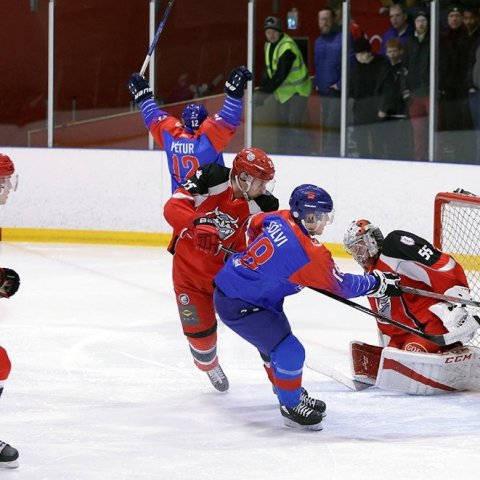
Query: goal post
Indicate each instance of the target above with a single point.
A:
(456, 231)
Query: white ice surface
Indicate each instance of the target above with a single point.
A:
(103, 386)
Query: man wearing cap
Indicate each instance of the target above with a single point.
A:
(365, 74)
(286, 77)
(417, 64)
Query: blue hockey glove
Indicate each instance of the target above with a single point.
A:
(139, 88)
(236, 82)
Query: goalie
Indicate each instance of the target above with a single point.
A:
(404, 361)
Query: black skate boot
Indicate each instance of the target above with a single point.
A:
(302, 417)
(218, 378)
(317, 405)
(8, 456)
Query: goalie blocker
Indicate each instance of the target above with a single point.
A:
(416, 373)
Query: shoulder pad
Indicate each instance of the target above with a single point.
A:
(408, 246)
(206, 177)
(267, 203)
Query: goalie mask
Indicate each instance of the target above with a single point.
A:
(312, 208)
(253, 170)
(363, 241)
(193, 116)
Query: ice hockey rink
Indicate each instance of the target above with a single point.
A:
(103, 386)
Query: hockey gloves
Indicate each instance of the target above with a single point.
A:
(139, 88)
(236, 82)
(9, 282)
(459, 321)
(387, 285)
(206, 236)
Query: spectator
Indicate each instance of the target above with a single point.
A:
(364, 77)
(355, 31)
(453, 72)
(417, 65)
(286, 78)
(474, 99)
(394, 130)
(181, 90)
(471, 21)
(328, 73)
(400, 28)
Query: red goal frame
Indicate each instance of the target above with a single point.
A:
(441, 199)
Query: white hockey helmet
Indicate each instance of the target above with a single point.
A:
(363, 241)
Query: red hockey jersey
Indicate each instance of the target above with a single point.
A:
(421, 266)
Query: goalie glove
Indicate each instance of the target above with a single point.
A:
(9, 282)
(206, 236)
(460, 323)
(387, 285)
(236, 82)
(139, 88)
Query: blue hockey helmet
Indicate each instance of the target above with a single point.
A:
(193, 115)
(311, 207)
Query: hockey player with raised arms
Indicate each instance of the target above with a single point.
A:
(283, 256)
(210, 208)
(404, 361)
(197, 139)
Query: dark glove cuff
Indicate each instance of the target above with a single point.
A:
(204, 221)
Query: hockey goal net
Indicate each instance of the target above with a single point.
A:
(457, 232)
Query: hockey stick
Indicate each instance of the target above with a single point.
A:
(442, 340)
(446, 339)
(439, 296)
(157, 36)
(350, 383)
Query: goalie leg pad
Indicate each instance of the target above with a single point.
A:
(429, 373)
(365, 360)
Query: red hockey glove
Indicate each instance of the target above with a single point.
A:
(206, 236)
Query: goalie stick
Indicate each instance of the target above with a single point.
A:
(446, 339)
(157, 36)
(439, 296)
(355, 385)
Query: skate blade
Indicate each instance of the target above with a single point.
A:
(291, 424)
(12, 464)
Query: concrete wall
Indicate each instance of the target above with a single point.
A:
(120, 190)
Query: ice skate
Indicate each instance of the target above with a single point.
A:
(8, 456)
(314, 403)
(218, 378)
(309, 401)
(301, 416)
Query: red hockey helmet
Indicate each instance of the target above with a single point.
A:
(255, 163)
(7, 167)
